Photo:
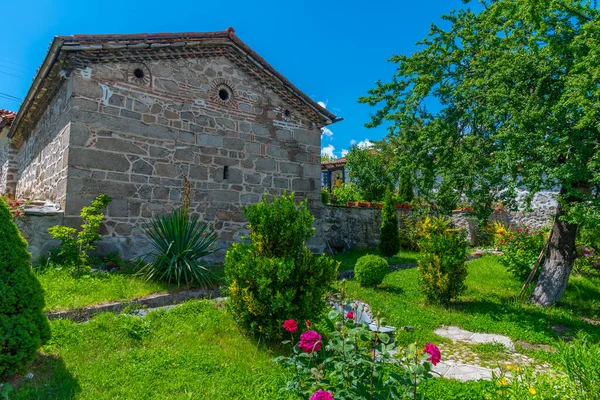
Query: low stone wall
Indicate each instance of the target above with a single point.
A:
(34, 229)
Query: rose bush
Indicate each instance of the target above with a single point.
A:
(355, 363)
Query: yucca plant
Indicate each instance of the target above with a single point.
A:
(180, 241)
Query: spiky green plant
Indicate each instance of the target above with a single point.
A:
(180, 241)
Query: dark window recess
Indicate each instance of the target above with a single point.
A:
(138, 73)
(224, 94)
(287, 113)
(225, 172)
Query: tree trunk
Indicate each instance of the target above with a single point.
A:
(558, 263)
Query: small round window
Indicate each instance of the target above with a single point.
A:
(224, 93)
(139, 73)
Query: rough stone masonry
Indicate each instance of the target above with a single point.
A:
(132, 115)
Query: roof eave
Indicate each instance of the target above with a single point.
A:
(41, 74)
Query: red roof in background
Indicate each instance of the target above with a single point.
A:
(338, 162)
(6, 117)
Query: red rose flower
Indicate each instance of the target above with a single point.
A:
(435, 353)
(308, 323)
(290, 325)
(350, 315)
(321, 395)
(310, 341)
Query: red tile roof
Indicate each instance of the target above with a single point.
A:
(338, 162)
(6, 117)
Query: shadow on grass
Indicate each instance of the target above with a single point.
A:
(526, 317)
(384, 288)
(51, 380)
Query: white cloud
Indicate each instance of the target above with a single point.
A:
(344, 152)
(365, 144)
(325, 131)
(322, 104)
(352, 142)
(328, 151)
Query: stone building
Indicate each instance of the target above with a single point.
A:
(132, 115)
(6, 152)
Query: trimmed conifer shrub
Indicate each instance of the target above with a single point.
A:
(23, 324)
(275, 277)
(389, 239)
(406, 192)
(441, 260)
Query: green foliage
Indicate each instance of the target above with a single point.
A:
(347, 193)
(406, 192)
(587, 262)
(276, 276)
(441, 260)
(179, 243)
(521, 247)
(23, 325)
(76, 246)
(324, 196)
(356, 364)
(579, 359)
(389, 240)
(279, 228)
(513, 82)
(370, 270)
(370, 172)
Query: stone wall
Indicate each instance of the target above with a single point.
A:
(341, 228)
(41, 161)
(136, 139)
(34, 229)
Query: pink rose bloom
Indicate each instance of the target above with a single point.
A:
(321, 395)
(310, 341)
(290, 325)
(350, 315)
(434, 351)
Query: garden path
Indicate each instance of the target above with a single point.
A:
(462, 363)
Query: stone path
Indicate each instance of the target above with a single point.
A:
(461, 362)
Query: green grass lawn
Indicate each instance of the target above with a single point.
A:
(348, 258)
(64, 291)
(489, 305)
(193, 351)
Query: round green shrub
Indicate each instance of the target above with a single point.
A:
(370, 270)
(23, 324)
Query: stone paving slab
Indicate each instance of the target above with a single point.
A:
(462, 372)
(457, 334)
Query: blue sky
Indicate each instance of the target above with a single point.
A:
(334, 51)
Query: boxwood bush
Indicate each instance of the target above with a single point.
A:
(370, 270)
(275, 277)
(23, 325)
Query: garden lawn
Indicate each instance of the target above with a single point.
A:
(488, 305)
(348, 259)
(193, 351)
(64, 291)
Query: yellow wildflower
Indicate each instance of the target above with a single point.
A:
(532, 391)
(504, 382)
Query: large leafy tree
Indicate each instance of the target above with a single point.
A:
(505, 95)
(370, 172)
